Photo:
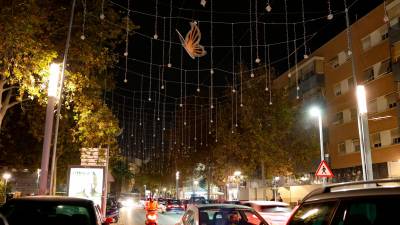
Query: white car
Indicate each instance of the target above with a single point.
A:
(276, 213)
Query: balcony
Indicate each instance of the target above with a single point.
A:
(394, 33)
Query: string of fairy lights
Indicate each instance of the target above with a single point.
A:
(189, 121)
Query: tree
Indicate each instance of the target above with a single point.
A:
(32, 35)
(269, 135)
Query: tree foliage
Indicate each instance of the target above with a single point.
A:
(33, 35)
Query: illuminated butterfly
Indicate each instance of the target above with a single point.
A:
(191, 42)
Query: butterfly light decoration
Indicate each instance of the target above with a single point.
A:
(191, 42)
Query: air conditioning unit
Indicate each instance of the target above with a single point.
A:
(396, 140)
(377, 145)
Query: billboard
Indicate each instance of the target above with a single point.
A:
(86, 182)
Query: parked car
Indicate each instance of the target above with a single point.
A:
(175, 206)
(220, 214)
(52, 210)
(277, 213)
(356, 203)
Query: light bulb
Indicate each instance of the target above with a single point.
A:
(162, 87)
(169, 65)
(289, 75)
(330, 16)
(211, 121)
(155, 36)
(83, 37)
(252, 74)
(211, 71)
(233, 90)
(298, 88)
(241, 105)
(270, 103)
(258, 60)
(184, 123)
(236, 125)
(180, 105)
(385, 19)
(305, 56)
(268, 8)
(149, 99)
(212, 106)
(158, 118)
(266, 88)
(198, 89)
(102, 16)
(125, 80)
(126, 53)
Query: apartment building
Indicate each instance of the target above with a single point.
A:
(325, 79)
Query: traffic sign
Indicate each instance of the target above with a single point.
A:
(324, 170)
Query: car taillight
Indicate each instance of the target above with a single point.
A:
(169, 206)
(182, 206)
(292, 214)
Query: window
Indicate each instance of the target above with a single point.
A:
(353, 112)
(376, 140)
(342, 148)
(377, 70)
(356, 145)
(395, 135)
(334, 62)
(350, 82)
(375, 37)
(372, 106)
(314, 214)
(337, 89)
(391, 100)
(338, 118)
(367, 210)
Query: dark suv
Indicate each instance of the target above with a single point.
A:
(356, 203)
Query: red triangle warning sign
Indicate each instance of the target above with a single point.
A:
(324, 170)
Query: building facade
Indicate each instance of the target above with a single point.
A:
(325, 79)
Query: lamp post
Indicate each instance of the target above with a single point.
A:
(363, 131)
(316, 112)
(237, 175)
(177, 183)
(6, 177)
(52, 99)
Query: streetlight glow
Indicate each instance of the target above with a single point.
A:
(315, 111)
(6, 176)
(361, 99)
(53, 80)
(177, 175)
(195, 182)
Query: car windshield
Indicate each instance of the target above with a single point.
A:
(275, 209)
(222, 216)
(47, 213)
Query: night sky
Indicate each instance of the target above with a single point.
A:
(270, 32)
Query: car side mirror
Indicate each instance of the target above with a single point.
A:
(108, 221)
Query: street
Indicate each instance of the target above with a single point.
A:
(136, 216)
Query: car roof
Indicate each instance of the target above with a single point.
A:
(355, 189)
(58, 199)
(266, 203)
(222, 206)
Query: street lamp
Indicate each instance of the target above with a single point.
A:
(365, 148)
(316, 112)
(52, 99)
(6, 177)
(177, 183)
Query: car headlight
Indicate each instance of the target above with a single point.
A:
(127, 202)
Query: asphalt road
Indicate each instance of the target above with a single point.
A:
(136, 216)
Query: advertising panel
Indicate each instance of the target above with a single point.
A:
(86, 182)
